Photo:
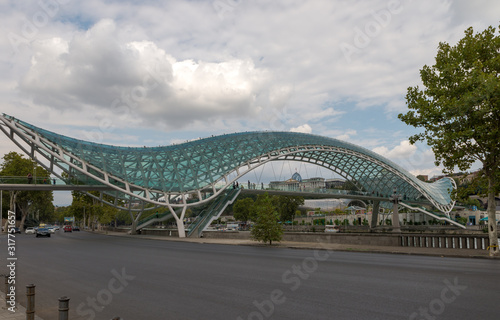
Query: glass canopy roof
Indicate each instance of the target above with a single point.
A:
(202, 163)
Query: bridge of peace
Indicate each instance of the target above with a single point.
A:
(205, 170)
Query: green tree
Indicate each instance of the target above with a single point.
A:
(478, 185)
(287, 206)
(267, 227)
(242, 209)
(91, 210)
(60, 213)
(15, 165)
(459, 110)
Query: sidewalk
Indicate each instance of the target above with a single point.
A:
(440, 252)
(20, 313)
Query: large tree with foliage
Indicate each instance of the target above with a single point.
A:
(459, 110)
(287, 206)
(243, 209)
(267, 227)
(91, 210)
(15, 165)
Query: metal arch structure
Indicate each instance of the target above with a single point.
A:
(166, 176)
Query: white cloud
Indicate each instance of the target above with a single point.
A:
(404, 150)
(305, 128)
(138, 78)
(346, 135)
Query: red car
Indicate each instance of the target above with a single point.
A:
(68, 228)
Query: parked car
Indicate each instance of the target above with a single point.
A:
(30, 230)
(67, 228)
(43, 232)
(14, 230)
(76, 228)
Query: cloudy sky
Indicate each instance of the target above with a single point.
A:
(149, 73)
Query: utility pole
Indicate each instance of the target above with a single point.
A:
(395, 212)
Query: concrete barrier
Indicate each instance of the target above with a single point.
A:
(372, 239)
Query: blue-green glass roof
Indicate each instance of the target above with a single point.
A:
(201, 163)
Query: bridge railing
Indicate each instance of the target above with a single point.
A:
(32, 180)
(191, 228)
(211, 212)
(152, 217)
(332, 191)
(80, 180)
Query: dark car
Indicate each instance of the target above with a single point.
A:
(67, 228)
(76, 228)
(42, 232)
(14, 230)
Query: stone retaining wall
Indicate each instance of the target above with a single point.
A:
(342, 238)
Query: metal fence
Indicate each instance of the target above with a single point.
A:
(475, 242)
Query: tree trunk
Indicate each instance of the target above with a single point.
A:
(24, 208)
(492, 221)
(24, 214)
(13, 195)
(12, 205)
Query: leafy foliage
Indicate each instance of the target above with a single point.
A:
(91, 210)
(459, 109)
(35, 202)
(243, 209)
(267, 227)
(287, 206)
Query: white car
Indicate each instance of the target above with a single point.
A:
(30, 230)
(52, 230)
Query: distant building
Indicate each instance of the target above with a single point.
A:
(460, 177)
(296, 183)
(423, 177)
(334, 183)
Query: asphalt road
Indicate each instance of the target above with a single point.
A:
(138, 279)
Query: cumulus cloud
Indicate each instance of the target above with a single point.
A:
(417, 159)
(101, 68)
(305, 128)
(402, 151)
(346, 135)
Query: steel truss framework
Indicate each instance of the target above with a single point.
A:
(165, 176)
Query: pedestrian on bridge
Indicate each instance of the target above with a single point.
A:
(30, 178)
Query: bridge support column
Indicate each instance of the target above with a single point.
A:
(375, 210)
(179, 221)
(180, 227)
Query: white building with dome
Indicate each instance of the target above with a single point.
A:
(296, 183)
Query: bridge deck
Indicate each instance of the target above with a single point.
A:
(305, 194)
(53, 187)
(315, 195)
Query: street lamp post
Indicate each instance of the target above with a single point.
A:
(34, 169)
(395, 212)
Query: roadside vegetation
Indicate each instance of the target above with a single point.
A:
(458, 110)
